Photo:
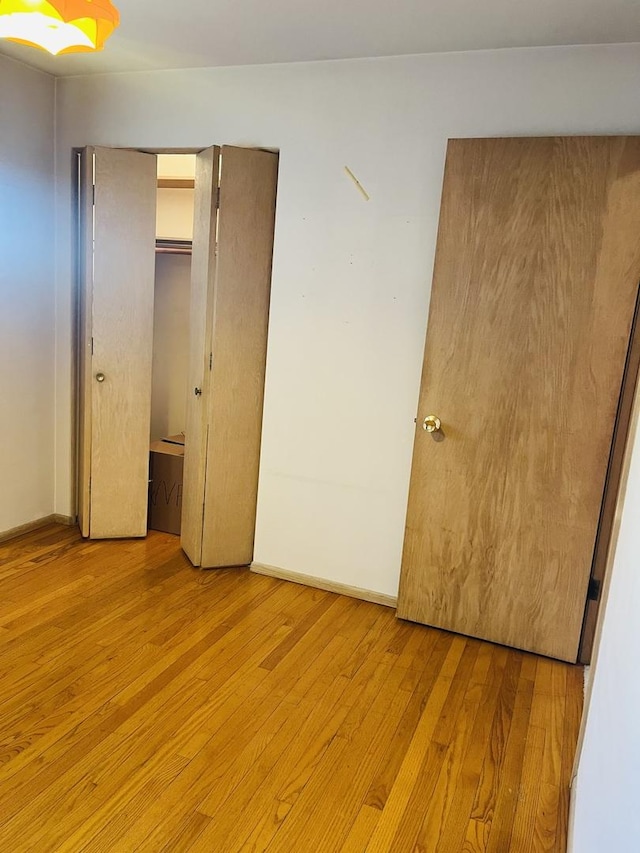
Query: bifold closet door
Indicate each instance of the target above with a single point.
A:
(226, 414)
(203, 273)
(118, 222)
(534, 291)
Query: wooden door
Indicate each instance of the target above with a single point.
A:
(535, 282)
(241, 300)
(116, 341)
(220, 531)
(203, 271)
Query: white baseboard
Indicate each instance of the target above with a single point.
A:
(14, 532)
(327, 585)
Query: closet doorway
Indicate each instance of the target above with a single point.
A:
(170, 373)
(156, 353)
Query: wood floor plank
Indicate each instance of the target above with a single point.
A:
(522, 837)
(149, 706)
(448, 740)
(456, 824)
(361, 831)
(546, 820)
(572, 719)
(511, 775)
(187, 831)
(549, 700)
(484, 805)
(424, 756)
(457, 739)
(421, 686)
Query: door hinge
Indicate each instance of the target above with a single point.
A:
(217, 198)
(210, 360)
(593, 593)
(91, 346)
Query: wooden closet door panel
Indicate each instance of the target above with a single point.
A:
(203, 271)
(535, 281)
(122, 332)
(239, 344)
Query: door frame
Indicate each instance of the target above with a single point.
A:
(627, 440)
(77, 299)
(614, 491)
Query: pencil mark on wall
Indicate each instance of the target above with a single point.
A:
(357, 183)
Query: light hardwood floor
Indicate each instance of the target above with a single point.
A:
(145, 705)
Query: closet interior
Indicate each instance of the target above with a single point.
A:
(171, 318)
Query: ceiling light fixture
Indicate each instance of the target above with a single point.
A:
(59, 26)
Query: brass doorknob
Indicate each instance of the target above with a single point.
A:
(100, 377)
(432, 423)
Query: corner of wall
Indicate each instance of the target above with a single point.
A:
(56, 378)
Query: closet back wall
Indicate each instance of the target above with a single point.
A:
(350, 277)
(170, 345)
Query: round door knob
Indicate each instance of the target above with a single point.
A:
(100, 377)
(431, 423)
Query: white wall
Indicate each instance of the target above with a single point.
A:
(27, 306)
(351, 278)
(170, 345)
(605, 798)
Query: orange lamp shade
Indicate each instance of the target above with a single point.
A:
(59, 26)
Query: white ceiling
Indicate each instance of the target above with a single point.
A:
(157, 34)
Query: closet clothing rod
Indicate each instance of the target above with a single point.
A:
(173, 247)
(162, 250)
